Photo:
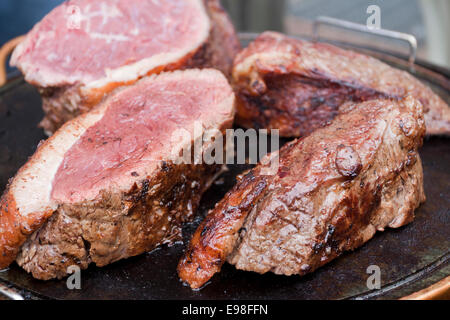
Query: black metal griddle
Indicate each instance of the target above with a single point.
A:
(410, 258)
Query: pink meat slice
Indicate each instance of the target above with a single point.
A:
(136, 132)
(117, 157)
(115, 32)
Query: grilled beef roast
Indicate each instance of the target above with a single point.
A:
(297, 86)
(83, 49)
(331, 192)
(105, 186)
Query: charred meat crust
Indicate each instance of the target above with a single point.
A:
(297, 86)
(213, 240)
(117, 226)
(223, 44)
(294, 104)
(333, 190)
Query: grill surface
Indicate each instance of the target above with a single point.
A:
(410, 258)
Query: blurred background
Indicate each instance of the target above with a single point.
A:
(427, 20)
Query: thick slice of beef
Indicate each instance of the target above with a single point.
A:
(105, 186)
(331, 192)
(83, 49)
(298, 86)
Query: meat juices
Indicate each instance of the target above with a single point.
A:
(333, 190)
(298, 86)
(104, 186)
(83, 49)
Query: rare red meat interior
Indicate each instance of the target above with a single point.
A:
(83, 48)
(105, 186)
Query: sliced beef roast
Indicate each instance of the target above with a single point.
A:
(105, 186)
(331, 192)
(297, 86)
(83, 49)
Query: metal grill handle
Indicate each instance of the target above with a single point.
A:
(10, 293)
(410, 39)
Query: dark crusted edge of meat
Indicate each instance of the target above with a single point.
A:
(263, 111)
(117, 226)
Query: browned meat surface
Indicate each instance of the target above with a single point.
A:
(332, 191)
(115, 226)
(298, 86)
(105, 186)
(116, 43)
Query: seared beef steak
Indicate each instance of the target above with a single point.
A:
(105, 186)
(332, 191)
(297, 86)
(83, 49)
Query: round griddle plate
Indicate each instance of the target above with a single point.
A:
(410, 258)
